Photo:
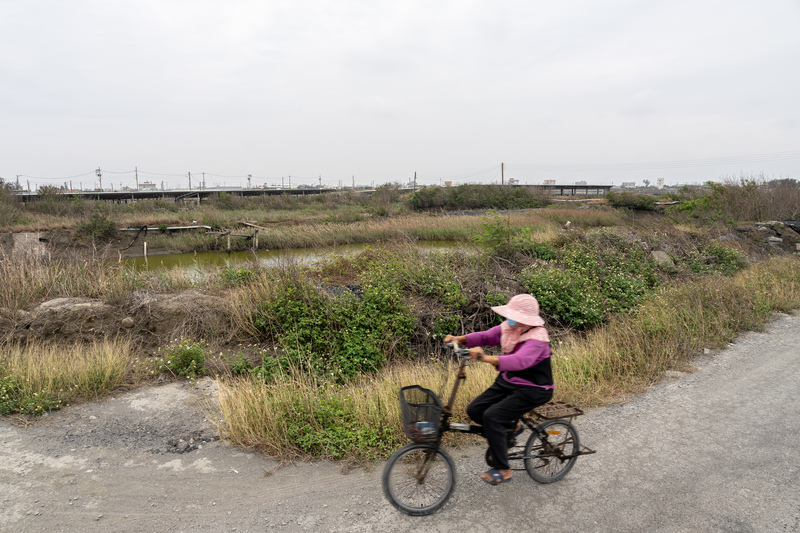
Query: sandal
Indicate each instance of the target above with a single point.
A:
(496, 476)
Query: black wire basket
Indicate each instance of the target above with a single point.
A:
(421, 410)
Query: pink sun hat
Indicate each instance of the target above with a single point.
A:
(522, 308)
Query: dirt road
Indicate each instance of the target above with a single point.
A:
(714, 450)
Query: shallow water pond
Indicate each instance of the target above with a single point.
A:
(265, 257)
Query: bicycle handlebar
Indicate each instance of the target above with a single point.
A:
(463, 353)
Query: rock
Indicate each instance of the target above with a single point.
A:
(127, 322)
(662, 259)
(772, 238)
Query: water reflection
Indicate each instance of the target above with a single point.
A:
(193, 260)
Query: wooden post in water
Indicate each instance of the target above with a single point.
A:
(255, 241)
(229, 242)
(145, 252)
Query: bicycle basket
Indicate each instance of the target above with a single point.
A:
(421, 410)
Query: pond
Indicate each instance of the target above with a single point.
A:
(189, 261)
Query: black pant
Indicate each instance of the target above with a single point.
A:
(499, 407)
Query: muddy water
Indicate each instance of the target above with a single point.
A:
(265, 257)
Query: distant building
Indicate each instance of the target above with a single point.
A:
(549, 182)
(628, 184)
(147, 186)
(513, 181)
(448, 183)
(660, 183)
(580, 182)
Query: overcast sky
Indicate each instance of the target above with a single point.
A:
(604, 91)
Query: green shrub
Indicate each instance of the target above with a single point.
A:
(99, 226)
(186, 358)
(715, 258)
(336, 336)
(631, 200)
(499, 239)
(571, 299)
(589, 276)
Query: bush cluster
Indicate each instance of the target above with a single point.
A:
(593, 276)
(335, 336)
(631, 200)
(478, 197)
(743, 199)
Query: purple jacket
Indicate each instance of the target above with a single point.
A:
(528, 364)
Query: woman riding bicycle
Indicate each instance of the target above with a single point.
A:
(524, 382)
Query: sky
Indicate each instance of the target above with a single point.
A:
(343, 92)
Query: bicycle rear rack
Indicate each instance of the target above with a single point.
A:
(553, 410)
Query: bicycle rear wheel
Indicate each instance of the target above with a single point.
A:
(550, 459)
(418, 480)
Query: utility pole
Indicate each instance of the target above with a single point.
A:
(281, 182)
(204, 180)
(354, 183)
(320, 181)
(415, 181)
(17, 181)
(136, 170)
(190, 181)
(502, 174)
(249, 183)
(99, 176)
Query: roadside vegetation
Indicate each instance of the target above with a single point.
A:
(37, 377)
(313, 355)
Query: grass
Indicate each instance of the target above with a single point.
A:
(300, 417)
(37, 278)
(37, 377)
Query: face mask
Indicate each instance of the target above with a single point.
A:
(511, 322)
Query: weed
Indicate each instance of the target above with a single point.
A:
(185, 357)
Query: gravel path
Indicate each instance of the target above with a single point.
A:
(714, 450)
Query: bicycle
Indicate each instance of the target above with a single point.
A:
(419, 478)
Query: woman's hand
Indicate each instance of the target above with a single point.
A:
(478, 354)
(461, 339)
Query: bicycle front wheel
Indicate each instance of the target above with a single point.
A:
(418, 480)
(550, 458)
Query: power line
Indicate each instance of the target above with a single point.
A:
(64, 178)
